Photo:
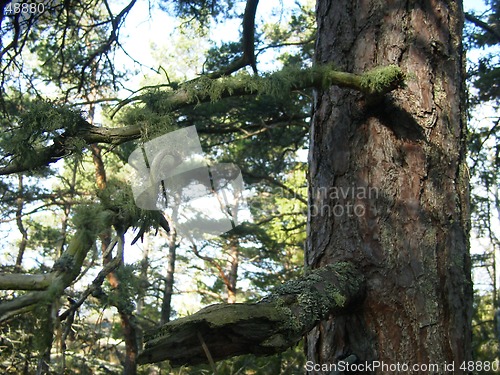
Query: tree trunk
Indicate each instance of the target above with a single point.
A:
(389, 187)
(127, 319)
(168, 291)
(143, 276)
(19, 220)
(233, 255)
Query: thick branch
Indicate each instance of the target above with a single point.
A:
(270, 326)
(376, 82)
(247, 43)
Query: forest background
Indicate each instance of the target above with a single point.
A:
(89, 63)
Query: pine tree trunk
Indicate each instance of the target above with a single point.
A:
(127, 319)
(389, 187)
(168, 291)
(233, 255)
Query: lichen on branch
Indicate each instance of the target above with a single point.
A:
(378, 81)
(65, 271)
(72, 132)
(267, 327)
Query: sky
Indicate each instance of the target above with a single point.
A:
(147, 32)
(144, 26)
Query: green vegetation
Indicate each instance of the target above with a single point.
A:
(85, 296)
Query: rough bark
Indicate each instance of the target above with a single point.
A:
(270, 326)
(168, 291)
(401, 161)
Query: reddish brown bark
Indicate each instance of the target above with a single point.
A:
(168, 291)
(408, 226)
(232, 269)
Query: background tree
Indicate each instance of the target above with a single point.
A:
(482, 33)
(77, 77)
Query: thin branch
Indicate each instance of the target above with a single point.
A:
(213, 262)
(275, 182)
(96, 101)
(286, 44)
(492, 130)
(483, 25)
(113, 37)
(96, 284)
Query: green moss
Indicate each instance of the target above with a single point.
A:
(382, 79)
(335, 296)
(308, 300)
(291, 322)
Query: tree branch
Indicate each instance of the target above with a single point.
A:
(270, 326)
(19, 281)
(113, 37)
(276, 182)
(66, 270)
(247, 43)
(483, 25)
(213, 262)
(101, 276)
(376, 82)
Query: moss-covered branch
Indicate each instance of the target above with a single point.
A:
(378, 81)
(270, 326)
(65, 271)
(204, 89)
